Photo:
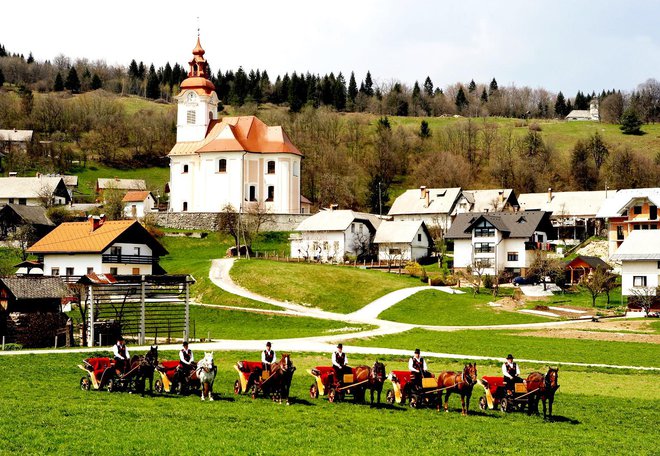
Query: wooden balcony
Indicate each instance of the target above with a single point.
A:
(129, 259)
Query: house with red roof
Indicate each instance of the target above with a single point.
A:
(137, 203)
(238, 161)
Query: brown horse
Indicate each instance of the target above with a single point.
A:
(462, 384)
(547, 386)
(373, 378)
(142, 368)
(279, 382)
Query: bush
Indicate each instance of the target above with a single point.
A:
(416, 270)
(15, 347)
(535, 127)
(488, 281)
(60, 214)
(437, 281)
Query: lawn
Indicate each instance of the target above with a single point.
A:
(582, 298)
(155, 177)
(332, 288)
(50, 414)
(432, 307)
(500, 343)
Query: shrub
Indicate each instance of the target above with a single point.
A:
(488, 281)
(437, 281)
(535, 127)
(416, 270)
(15, 347)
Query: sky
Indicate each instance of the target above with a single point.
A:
(566, 45)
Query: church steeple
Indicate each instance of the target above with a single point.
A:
(198, 64)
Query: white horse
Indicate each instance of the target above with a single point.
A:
(206, 372)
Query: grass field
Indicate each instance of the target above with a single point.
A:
(432, 307)
(50, 414)
(500, 343)
(582, 298)
(155, 177)
(333, 288)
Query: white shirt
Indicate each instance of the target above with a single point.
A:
(505, 371)
(412, 369)
(334, 360)
(183, 360)
(115, 350)
(263, 357)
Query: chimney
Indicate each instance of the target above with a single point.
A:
(423, 190)
(428, 197)
(549, 194)
(95, 221)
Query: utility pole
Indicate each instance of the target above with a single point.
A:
(380, 202)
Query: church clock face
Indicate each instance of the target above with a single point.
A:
(191, 97)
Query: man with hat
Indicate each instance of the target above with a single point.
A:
(340, 364)
(121, 355)
(268, 357)
(186, 358)
(511, 373)
(417, 367)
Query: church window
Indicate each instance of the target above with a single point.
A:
(271, 193)
(191, 117)
(222, 165)
(253, 192)
(271, 167)
(185, 169)
(185, 206)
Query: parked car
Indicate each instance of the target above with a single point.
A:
(520, 280)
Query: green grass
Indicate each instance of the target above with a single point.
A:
(581, 298)
(499, 343)
(432, 307)
(155, 177)
(233, 324)
(50, 414)
(8, 258)
(332, 288)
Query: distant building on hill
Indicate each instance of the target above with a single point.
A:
(583, 114)
(33, 191)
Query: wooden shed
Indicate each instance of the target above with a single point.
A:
(583, 265)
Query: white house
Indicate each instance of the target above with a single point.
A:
(108, 247)
(328, 235)
(640, 262)
(138, 203)
(33, 191)
(403, 240)
(499, 241)
(433, 206)
(237, 161)
(122, 185)
(583, 114)
(486, 201)
(14, 140)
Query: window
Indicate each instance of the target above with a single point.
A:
(639, 281)
(394, 251)
(191, 117)
(653, 212)
(136, 250)
(222, 165)
(22, 201)
(512, 256)
(658, 264)
(635, 227)
(484, 247)
(115, 251)
(637, 210)
(296, 169)
(11, 200)
(69, 271)
(253, 192)
(654, 226)
(419, 237)
(185, 169)
(270, 167)
(185, 206)
(113, 271)
(484, 229)
(271, 193)
(352, 227)
(136, 271)
(55, 271)
(90, 270)
(210, 115)
(619, 232)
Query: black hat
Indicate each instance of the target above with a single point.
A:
(509, 356)
(185, 343)
(120, 338)
(340, 346)
(417, 352)
(267, 344)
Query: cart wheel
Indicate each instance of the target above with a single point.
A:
(483, 403)
(413, 402)
(111, 385)
(237, 387)
(504, 405)
(332, 395)
(389, 397)
(85, 384)
(314, 391)
(158, 386)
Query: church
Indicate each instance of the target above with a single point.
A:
(238, 161)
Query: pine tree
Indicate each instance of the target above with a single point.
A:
(133, 70)
(339, 93)
(2, 78)
(30, 59)
(167, 74)
(472, 87)
(461, 100)
(368, 85)
(153, 85)
(560, 105)
(96, 82)
(416, 91)
(630, 123)
(58, 85)
(352, 88)
(484, 96)
(142, 71)
(428, 87)
(384, 122)
(3, 51)
(569, 107)
(493, 87)
(424, 130)
(72, 82)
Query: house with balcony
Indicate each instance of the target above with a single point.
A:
(433, 206)
(630, 210)
(98, 245)
(639, 255)
(499, 241)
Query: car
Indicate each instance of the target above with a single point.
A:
(520, 280)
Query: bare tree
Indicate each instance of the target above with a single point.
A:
(362, 244)
(595, 283)
(45, 195)
(473, 274)
(393, 254)
(256, 216)
(229, 224)
(544, 266)
(24, 236)
(645, 297)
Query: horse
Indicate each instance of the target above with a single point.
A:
(547, 386)
(462, 384)
(373, 377)
(142, 369)
(279, 382)
(206, 372)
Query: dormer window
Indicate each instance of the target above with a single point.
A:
(270, 167)
(191, 117)
(222, 165)
(637, 210)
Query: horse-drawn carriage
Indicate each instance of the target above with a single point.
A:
(354, 384)
(99, 371)
(405, 390)
(273, 383)
(102, 373)
(250, 374)
(174, 380)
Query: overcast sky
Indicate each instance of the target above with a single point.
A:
(557, 44)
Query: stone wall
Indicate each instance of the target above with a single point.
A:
(210, 221)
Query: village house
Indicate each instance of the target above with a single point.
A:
(639, 255)
(120, 185)
(499, 241)
(407, 240)
(630, 210)
(235, 161)
(14, 140)
(573, 213)
(583, 114)
(138, 203)
(33, 191)
(486, 201)
(433, 206)
(110, 247)
(13, 216)
(330, 235)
